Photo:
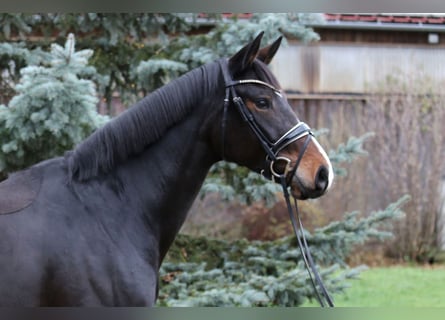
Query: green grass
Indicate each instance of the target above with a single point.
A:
(398, 286)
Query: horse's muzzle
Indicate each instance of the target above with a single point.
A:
(302, 189)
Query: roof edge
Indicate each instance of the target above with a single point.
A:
(379, 26)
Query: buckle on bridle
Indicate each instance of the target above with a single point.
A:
(274, 173)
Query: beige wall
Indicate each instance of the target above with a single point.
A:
(347, 69)
(350, 68)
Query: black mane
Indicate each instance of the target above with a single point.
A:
(147, 120)
(142, 124)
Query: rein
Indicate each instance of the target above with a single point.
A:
(272, 149)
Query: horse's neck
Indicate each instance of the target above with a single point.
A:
(168, 176)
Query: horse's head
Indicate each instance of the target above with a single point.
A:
(261, 131)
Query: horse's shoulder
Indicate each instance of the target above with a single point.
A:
(19, 190)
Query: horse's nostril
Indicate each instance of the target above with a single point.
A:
(322, 179)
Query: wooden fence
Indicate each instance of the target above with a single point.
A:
(364, 188)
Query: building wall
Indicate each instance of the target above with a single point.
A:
(352, 67)
(325, 83)
(376, 36)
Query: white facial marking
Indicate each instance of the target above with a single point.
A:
(323, 153)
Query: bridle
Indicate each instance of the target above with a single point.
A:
(272, 149)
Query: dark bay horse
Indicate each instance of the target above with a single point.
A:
(92, 228)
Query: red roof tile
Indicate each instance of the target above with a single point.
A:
(387, 18)
(436, 20)
(419, 19)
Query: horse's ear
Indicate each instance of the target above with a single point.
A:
(266, 54)
(244, 58)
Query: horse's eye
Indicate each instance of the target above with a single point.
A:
(262, 103)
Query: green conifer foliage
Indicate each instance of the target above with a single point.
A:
(54, 109)
(154, 73)
(121, 41)
(202, 272)
(230, 35)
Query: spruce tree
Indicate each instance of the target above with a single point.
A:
(54, 109)
(200, 272)
(121, 41)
